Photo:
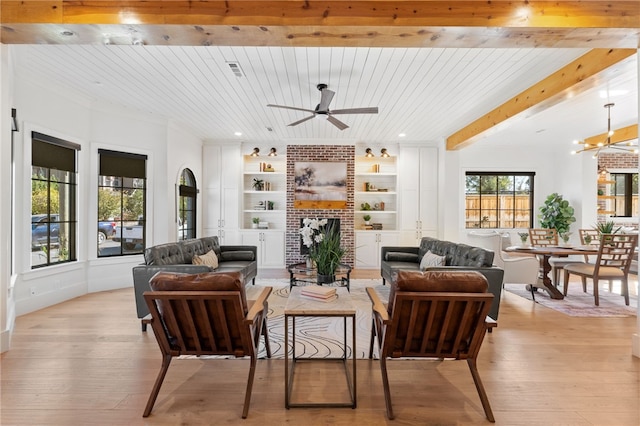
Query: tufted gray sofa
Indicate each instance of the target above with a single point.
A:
(176, 257)
(457, 257)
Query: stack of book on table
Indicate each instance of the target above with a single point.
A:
(316, 292)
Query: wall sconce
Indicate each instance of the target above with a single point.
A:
(384, 153)
(368, 152)
(272, 153)
(255, 152)
(14, 121)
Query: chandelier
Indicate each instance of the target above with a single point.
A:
(621, 145)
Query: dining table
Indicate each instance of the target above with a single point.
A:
(547, 252)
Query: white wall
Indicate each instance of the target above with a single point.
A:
(556, 171)
(45, 107)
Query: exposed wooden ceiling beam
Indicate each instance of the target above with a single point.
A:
(419, 23)
(574, 78)
(620, 135)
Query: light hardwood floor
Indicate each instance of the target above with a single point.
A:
(86, 362)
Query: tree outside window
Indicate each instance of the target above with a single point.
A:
(498, 200)
(53, 200)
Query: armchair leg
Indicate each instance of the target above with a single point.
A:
(265, 333)
(480, 388)
(385, 385)
(595, 291)
(373, 336)
(247, 395)
(166, 360)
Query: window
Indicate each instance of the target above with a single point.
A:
(625, 191)
(121, 202)
(499, 200)
(187, 205)
(53, 200)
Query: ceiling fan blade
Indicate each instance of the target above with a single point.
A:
(293, 108)
(325, 99)
(295, 123)
(339, 124)
(367, 110)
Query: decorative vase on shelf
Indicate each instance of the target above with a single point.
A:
(308, 263)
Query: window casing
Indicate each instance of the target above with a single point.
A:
(187, 198)
(122, 199)
(499, 200)
(53, 200)
(625, 191)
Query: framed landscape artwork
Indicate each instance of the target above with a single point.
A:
(320, 185)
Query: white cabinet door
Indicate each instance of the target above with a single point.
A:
(273, 249)
(220, 189)
(367, 250)
(270, 246)
(418, 168)
(368, 246)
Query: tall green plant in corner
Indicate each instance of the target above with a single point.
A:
(556, 213)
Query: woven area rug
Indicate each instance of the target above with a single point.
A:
(318, 337)
(580, 304)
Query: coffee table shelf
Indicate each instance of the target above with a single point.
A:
(301, 274)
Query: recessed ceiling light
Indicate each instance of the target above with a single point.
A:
(402, 135)
(238, 133)
(67, 33)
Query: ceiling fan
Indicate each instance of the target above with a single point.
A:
(323, 109)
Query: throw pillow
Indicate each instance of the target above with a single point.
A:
(210, 259)
(431, 259)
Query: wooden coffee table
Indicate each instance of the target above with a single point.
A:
(299, 306)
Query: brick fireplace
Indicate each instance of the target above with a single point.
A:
(339, 153)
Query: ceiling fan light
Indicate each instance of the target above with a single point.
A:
(384, 153)
(255, 152)
(368, 153)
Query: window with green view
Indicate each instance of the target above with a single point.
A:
(499, 200)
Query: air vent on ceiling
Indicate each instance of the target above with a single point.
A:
(235, 67)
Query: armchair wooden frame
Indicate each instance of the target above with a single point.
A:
(206, 323)
(416, 329)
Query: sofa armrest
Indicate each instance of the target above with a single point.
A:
(400, 249)
(143, 273)
(253, 249)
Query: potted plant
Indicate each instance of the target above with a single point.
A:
(556, 213)
(565, 237)
(607, 227)
(255, 221)
(524, 236)
(324, 247)
(367, 219)
(258, 184)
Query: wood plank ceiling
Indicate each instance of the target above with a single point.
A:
(429, 78)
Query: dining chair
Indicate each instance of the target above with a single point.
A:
(205, 314)
(517, 269)
(435, 314)
(545, 237)
(615, 254)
